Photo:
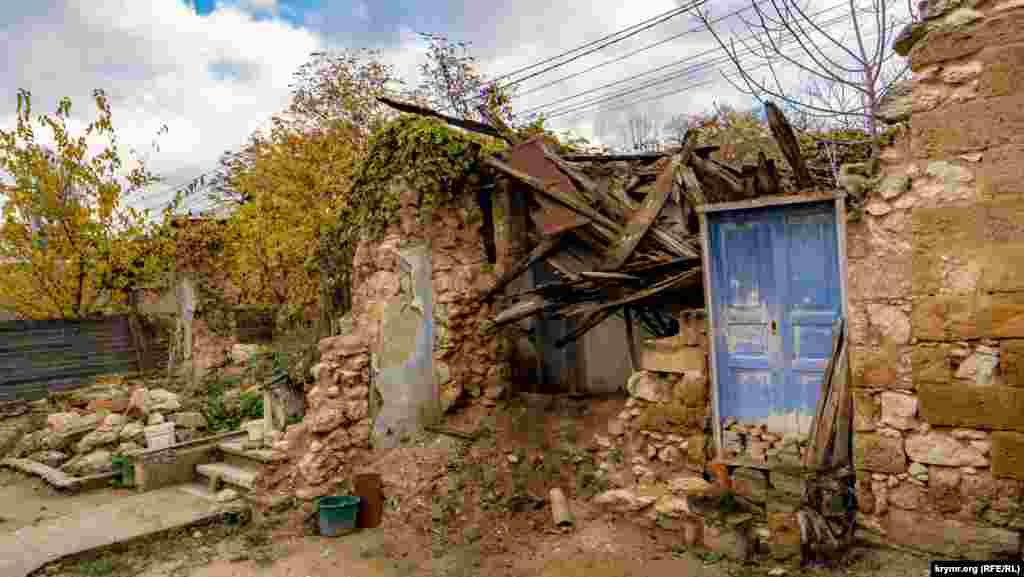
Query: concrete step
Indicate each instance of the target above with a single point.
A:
(236, 454)
(224, 496)
(229, 474)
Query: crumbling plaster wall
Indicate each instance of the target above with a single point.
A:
(415, 347)
(936, 277)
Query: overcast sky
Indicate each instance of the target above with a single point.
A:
(214, 71)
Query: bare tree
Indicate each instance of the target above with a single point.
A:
(848, 77)
(676, 128)
(642, 133)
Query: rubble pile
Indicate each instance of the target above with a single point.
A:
(754, 442)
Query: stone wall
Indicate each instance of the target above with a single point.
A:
(355, 402)
(936, 294)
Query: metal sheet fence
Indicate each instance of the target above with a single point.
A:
(37, 357)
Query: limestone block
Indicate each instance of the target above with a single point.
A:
(874, 452)
(937, 448)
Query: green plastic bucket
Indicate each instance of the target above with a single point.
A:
(338, 514)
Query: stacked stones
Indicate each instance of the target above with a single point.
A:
(937, 295)
(102, 421)
(336, 431)
(756, 443)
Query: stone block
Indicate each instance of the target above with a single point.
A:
(953, 42)
(874, 452)
(1003, 315)
(899, 410)
(959, 405)
(882, 275)
(949, 317)
(750, 483)
(671, 355)
(930, 363)
(906, 496)
(881, 367)
(999, 74)
(980, 124)
(1011, 362)
(948, 537)
(1000, 173)
(865, 411)
(1008, 455)
(935, 448)
(695, 449)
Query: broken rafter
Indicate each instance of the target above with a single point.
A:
(786, 138)
(642, 220)
(520, 311)
(672, 282)
(542, 250)
(470, 125)
(579, 179)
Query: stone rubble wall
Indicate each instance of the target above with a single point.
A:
(336, 433)
(936, 295)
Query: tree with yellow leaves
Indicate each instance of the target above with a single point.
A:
(69, 246)
(293, 180)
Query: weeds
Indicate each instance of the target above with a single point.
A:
(96, 567)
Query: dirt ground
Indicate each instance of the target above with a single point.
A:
(460, 508)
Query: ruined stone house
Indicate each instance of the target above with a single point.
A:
(728, 379)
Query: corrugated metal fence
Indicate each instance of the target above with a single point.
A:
(37, 357)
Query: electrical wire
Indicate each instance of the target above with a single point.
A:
(628, 54)
(627, 32)
(689, 58)
(688, 72)
(665, 94)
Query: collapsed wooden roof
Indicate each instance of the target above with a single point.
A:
(621, 231)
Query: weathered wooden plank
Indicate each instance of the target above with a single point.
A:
(642, 220)
(634, 356)
(542, 250)
(601, 275)
(786, 138)
(470, 125)
(674, 281)
(520, 311)
(822, 421)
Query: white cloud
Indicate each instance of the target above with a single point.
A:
(211, 79)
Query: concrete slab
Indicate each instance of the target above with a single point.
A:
(237, 448)
(29, 548)
(56, 477)
(229, 474)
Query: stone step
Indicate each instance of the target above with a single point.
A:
(230, 474)
(223, 496)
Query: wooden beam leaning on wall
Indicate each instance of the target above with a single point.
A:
(790, 146)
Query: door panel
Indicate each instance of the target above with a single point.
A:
(776, 294)
(745, 347)
(811, 304)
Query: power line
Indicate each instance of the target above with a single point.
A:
(663, 67)
(629, 54)
(628, 32)
(689, 71)
(659, 96)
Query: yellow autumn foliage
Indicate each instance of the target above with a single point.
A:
(69, 246)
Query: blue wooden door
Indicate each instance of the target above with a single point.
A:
(776, 292)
